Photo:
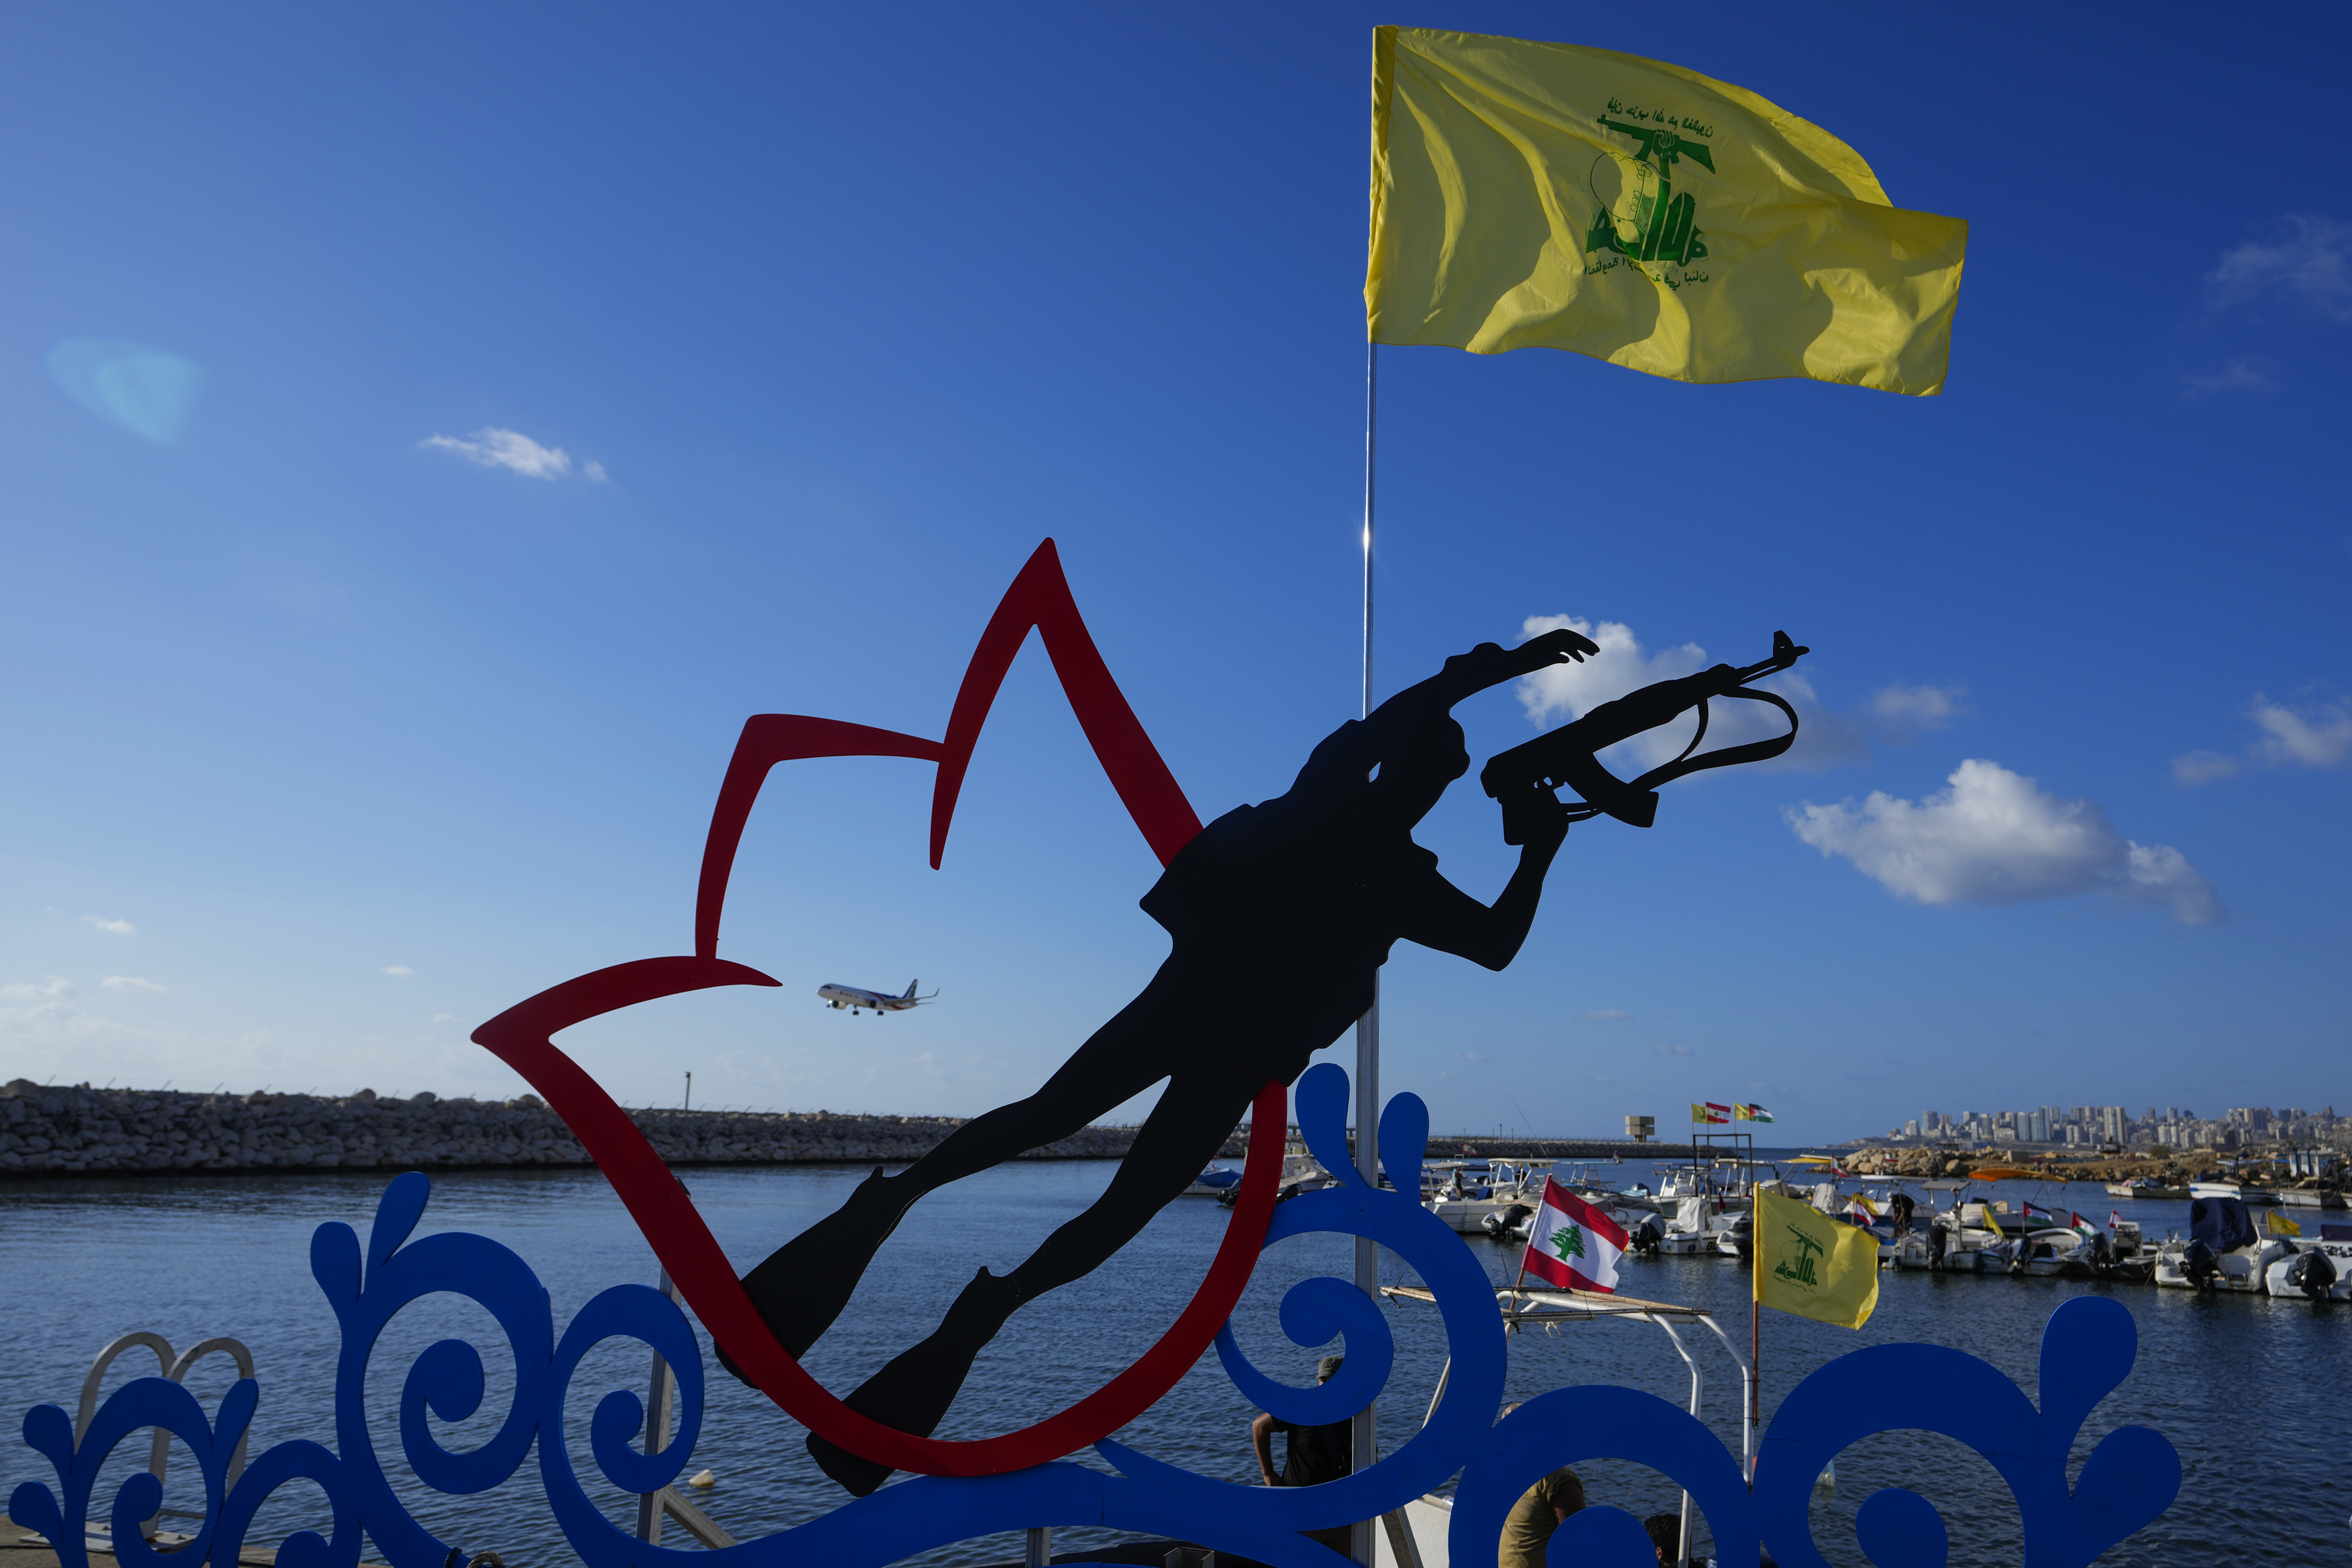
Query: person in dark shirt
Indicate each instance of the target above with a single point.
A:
(1281, 915)
(1313, 1454)
(1666, 1535)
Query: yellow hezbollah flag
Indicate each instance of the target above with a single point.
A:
(2281, 1226)
(1529, 194)
(1812, 1265)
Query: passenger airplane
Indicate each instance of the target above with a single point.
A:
(857, 1001)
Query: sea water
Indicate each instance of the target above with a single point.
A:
(2249, 1390)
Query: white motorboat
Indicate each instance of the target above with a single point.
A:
(2241, 1268)
(2253, 1196)
(1465, 1202)
(2319, 1270)
(1705, 1224)
(2223, 1250)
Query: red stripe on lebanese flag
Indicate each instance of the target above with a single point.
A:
(1572, 1246)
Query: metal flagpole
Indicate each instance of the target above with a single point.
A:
(1364, 1431)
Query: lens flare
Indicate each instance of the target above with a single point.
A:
(147, 391)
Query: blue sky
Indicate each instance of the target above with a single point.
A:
(425, 435)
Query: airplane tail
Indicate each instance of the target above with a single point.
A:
(911, 986)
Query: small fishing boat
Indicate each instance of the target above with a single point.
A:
(2145, 1188)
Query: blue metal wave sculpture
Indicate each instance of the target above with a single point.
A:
(2129, 1478)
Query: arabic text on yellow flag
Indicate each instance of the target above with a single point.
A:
(1531, 194)
(1811, 1264)
(2281, 1226)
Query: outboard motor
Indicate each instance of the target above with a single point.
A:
(1937, 1237)
(2200, 1265)
(1647, 1234)
(1500, 1226)
(2313, 1273)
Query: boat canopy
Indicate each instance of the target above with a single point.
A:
(2222, 1223)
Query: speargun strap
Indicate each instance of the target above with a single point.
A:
(1752, 752)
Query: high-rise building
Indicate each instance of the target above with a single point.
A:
(2111, 1124)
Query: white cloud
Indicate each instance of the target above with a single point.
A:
(1622, 664)
(2204, 767)
(1606, 1015)
(130, 983)
(512, 450)
(1907, 708)
(119, 928)
(57, 989)
(398, 971)
(593, 472)
(1996, 838)
(1666, 1049)
(2316, 736)
(2238, 375)
(2310, 266)
(444, 1018)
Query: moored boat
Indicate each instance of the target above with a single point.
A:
(2318, 1270)
(2222, 1251)
(2145, 1188)
(2255, 1196)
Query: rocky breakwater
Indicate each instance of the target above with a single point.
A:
(52, 1132)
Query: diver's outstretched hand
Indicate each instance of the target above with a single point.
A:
(1490, 664)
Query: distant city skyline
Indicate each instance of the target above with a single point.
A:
(2177, 1127)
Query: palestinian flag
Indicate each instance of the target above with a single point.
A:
(1572, 1245)
(2035, 1211)
(1750, 1113)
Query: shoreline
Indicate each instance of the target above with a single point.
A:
(48, 1131)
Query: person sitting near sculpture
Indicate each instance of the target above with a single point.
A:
(1541, 1509)
(1280, 916)
(1312, 1454)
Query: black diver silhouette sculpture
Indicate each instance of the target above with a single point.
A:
(1281, 915)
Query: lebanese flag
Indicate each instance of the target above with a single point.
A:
(2114, 1218)
(1572, 1246)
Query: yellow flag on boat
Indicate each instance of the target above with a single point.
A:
(2281, 1226)
(1532, 194)
(1813, 1264)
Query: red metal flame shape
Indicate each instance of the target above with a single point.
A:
(521, 1037)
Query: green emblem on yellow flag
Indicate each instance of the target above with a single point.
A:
(1813, 1264)
(1542, 195)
